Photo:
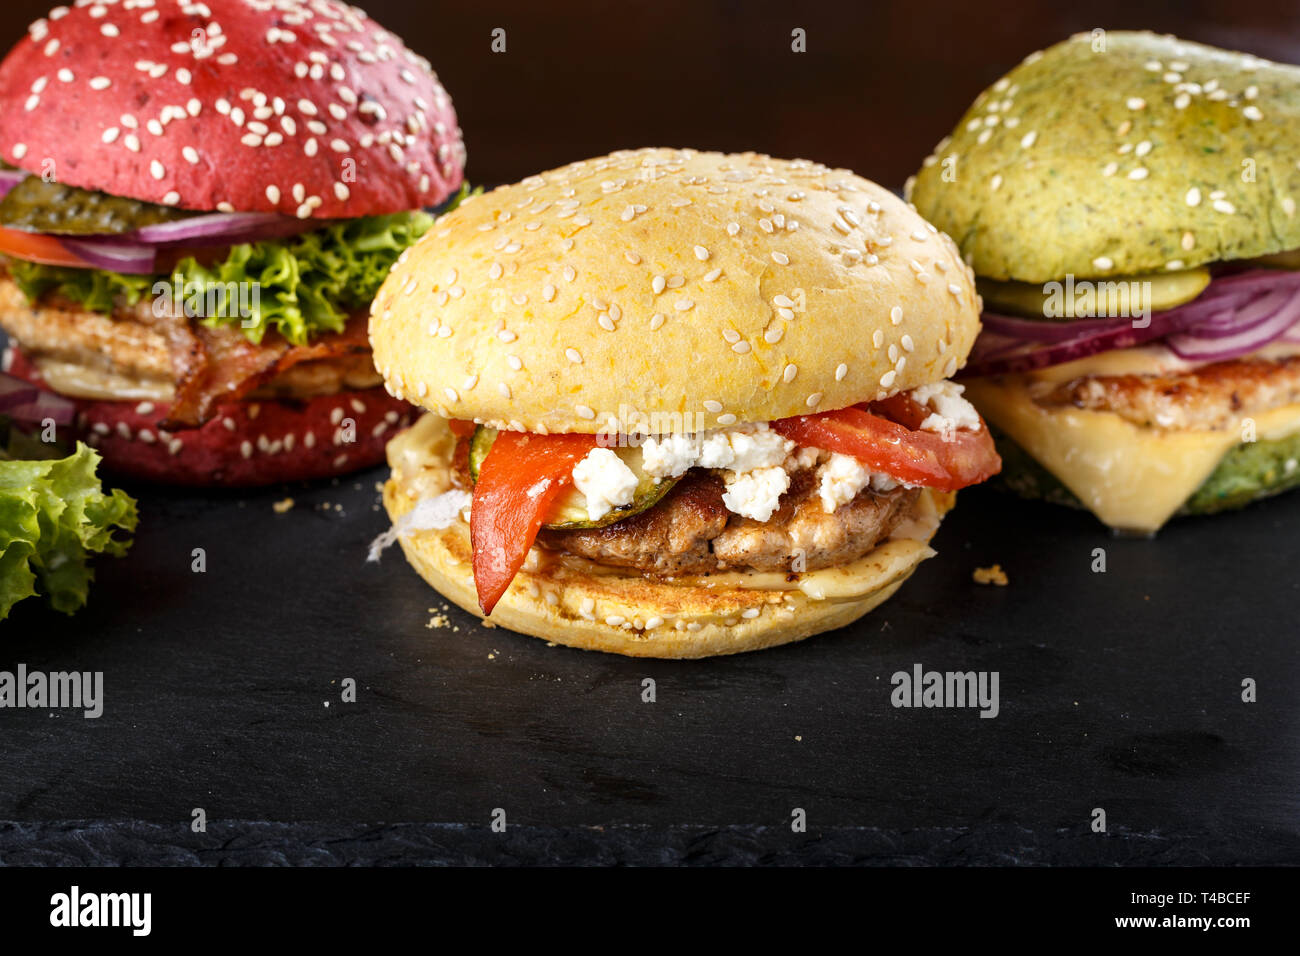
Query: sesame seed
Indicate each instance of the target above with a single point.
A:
(1223, 206)
(573, 355)
(701, 253)
(110, 134)
(814, 400)
(1252, 113)
(156, 169)
(713, 406)
(1136, 103)
(841, 370)
(896, 315)
(273, 194)
(584, 412)
(780, 258)
(1137, 173)
(657, 320)
(1110, 169)
(1103, 262)
(887, 379)
(1193, 197)
(1028, 139)
(658, 284)
(788, 374)
(683, 305)
(191, 154)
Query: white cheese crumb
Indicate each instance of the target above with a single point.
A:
(740, 449)
(605, 481)
(841, 479)
(949, 411)
(755, 493)
(670, 456)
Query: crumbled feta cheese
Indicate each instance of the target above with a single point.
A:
(949, 410)
(755, 493)
(670, 456)
(605, 481)
(802, 458)
(841, 479)
(740, 449)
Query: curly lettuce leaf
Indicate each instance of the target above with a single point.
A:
(306, 284)
(53, 516)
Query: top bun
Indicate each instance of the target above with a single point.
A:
(307, 109)
(1119, 154)
(728, 288)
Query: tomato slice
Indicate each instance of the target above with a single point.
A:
(39, 247)
(902, 452)
(519, 479)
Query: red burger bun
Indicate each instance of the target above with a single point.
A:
(311, 110)
(247, 443)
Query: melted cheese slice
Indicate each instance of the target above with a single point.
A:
(1130, 477)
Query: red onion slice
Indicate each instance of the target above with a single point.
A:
(9, 178)
(1256, 335)
(24, 402)
(116, 256)
(225, 228)
(1237, 314)
(15, 392)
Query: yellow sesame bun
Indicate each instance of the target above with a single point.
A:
(571, 601)
(734, 288)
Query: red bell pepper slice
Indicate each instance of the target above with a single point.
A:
(518, 481)
(901, 451)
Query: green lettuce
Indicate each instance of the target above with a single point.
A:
(306, 284)
(53, 516)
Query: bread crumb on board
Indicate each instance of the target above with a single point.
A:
(991, 575)
(280, 507)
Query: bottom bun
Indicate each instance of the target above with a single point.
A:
(571, 601)
(246, 443)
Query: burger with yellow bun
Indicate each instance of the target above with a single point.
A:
(679, 403)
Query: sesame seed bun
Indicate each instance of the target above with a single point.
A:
(623, 612)
(733, 287)
(303, 109)
(1121, 154)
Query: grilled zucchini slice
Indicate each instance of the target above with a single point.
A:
(571, 510)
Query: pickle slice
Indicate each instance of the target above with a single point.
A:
(37, 206)
(571, 511)
(1279, 260)
(1095, 298)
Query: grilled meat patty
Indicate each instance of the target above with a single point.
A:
(692, 532)
(1208, 397)
(181, 360)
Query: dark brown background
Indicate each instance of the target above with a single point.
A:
(879, 85)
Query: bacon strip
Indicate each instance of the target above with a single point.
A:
(219, 364)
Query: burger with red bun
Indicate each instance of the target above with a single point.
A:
(199, 202)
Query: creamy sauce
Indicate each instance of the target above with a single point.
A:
(82, 381)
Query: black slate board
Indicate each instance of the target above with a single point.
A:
(1118, 690)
